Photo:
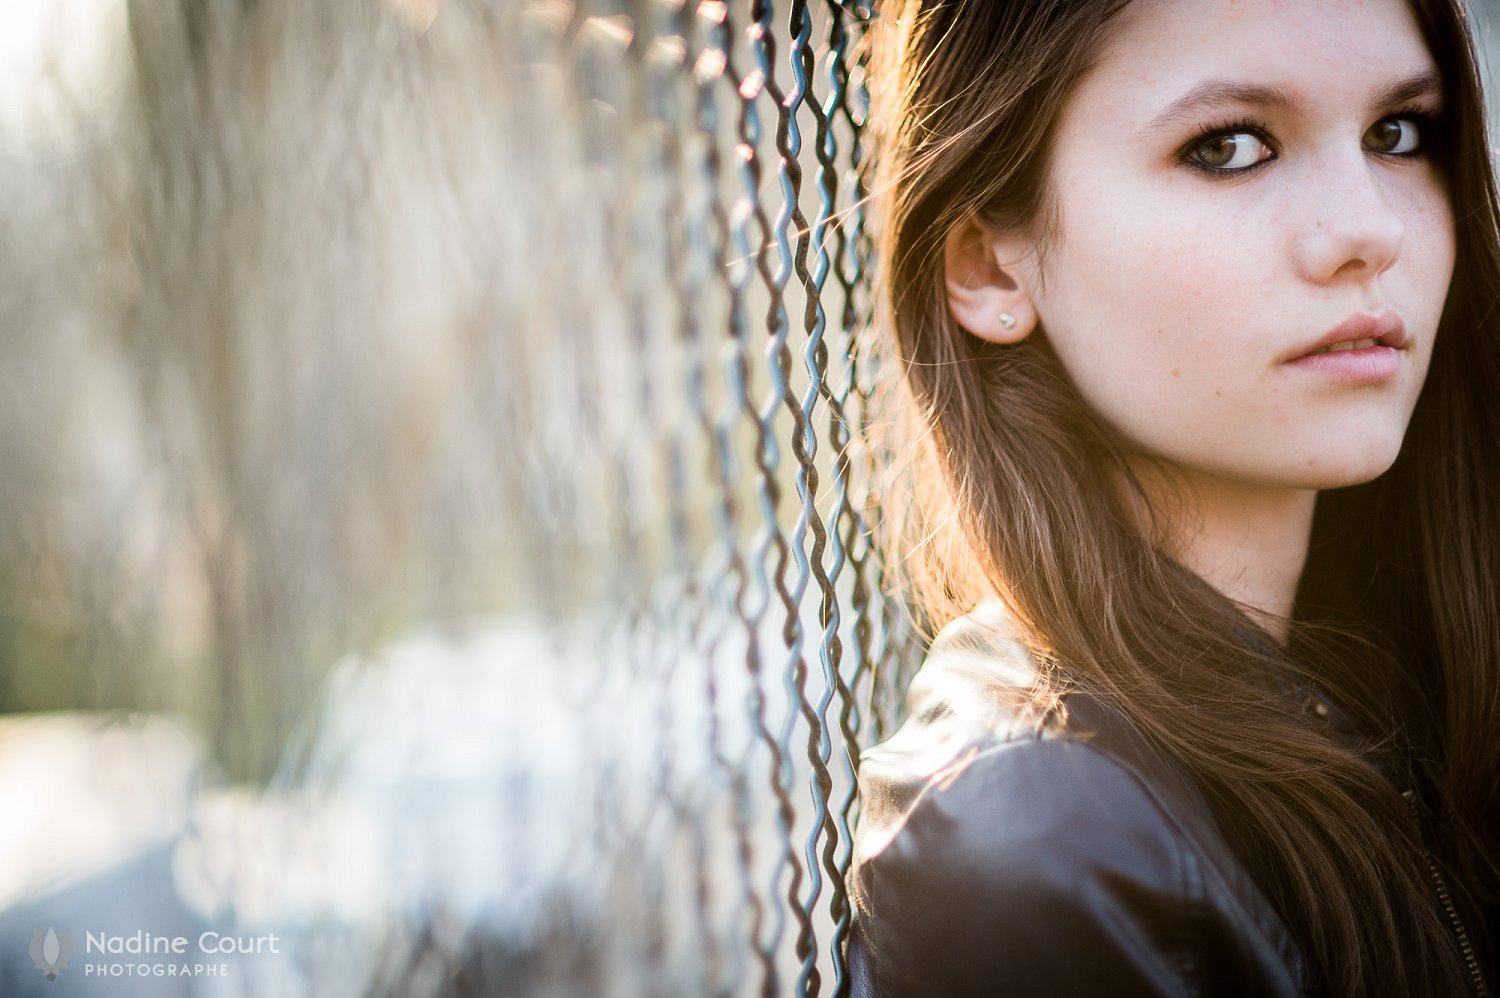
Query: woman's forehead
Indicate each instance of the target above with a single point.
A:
(1301, 51)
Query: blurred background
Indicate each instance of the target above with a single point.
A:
(433, 490)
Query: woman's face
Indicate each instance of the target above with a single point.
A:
(1237, 183)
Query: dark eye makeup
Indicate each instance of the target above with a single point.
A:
(1216, 145)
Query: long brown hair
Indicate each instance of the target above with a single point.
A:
(1005, 488)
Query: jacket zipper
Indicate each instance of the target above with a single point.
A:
(1445, 899)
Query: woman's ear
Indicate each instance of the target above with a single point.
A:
(987, 283)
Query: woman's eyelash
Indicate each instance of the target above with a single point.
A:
(1222, 129)
(1214, 131)
(1429, 122)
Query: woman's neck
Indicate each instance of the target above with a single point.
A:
(1247, 541)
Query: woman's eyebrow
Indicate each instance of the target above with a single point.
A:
(1217, 93)
(1425, 84)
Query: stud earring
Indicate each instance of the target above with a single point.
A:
(1007, 320)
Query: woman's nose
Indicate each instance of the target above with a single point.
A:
(1350, 232)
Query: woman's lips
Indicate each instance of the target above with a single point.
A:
(1363, 349)
(1362, 365)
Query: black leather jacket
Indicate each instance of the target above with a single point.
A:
(1000, 851)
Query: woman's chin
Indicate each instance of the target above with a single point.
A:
(1339, 468)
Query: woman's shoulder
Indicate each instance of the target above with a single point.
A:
(973, 720)
(980, 771)
(1003, 846)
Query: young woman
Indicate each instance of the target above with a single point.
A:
(1195, 306)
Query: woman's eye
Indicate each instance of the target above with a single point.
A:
(1394, 136)
(1229, 152)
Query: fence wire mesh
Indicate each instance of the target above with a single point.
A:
(713, 159)
(515, 345)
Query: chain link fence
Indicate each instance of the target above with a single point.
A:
(457, 413)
